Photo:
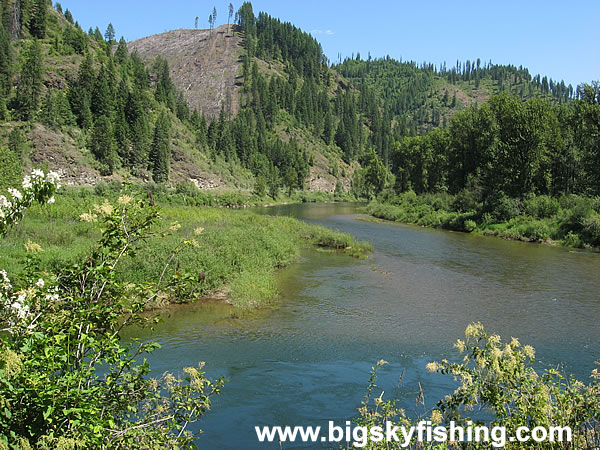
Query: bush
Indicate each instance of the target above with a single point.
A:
(56, 380)
(541, 207)
(465, 201)
(504, 208)
(591, 229)
(572, 239)
(469, 225)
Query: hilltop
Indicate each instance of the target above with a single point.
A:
(204, 64)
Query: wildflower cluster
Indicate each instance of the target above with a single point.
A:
(66, 378)
(38, 186)
(500, 377)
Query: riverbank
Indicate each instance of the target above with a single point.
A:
(187, 194)
(226, 253)
(571, 221)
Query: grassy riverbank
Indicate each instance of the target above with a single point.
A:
(229, 253)
(570, 220)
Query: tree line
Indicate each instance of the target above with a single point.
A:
(508, 147)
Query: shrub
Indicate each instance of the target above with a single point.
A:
(66, 379)
(541, 207)
(465, 200)
(591, 229)
(469, 225)
(504, 208)
(498, 378)
(572, 239)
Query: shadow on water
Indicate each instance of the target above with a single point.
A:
(306, 359)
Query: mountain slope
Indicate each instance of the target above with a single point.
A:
(205, 65)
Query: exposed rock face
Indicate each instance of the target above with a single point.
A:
(204, 65)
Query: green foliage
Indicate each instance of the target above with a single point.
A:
(37, 18)
(11, 169)
(16, 142)
(102, 145)
(72, 382)
(160, 153)
(29, 86)
(498, 378)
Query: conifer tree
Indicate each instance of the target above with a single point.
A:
(16, 142)
(29, 86)
(37, 19)
(160, 152)
(102, 144)
(80, 93)
(5, 69)
(121, 53)
(109, 35)
(69, 16)
(102, 95)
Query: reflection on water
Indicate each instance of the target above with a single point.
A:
(306, 359)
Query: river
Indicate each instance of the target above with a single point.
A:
(306, 360)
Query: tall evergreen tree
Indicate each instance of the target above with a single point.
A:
(102, 144)
(121, 53)
(109, 34)
(29, 86)
(230, 15)
(160, 152)
(5, 69)
(37, 18)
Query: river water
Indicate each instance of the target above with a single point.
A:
(307, 359)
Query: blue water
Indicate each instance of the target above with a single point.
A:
(306, 360)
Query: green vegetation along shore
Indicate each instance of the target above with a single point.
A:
(572, 220)
(232, 253)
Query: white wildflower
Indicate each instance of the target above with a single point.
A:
(4, 203)
(51, 200)
(40, 283)
(15, 193)
(124, 200)
(53, 177)
(88, 217)
(27, 182)
(37, 173)
(52, 297)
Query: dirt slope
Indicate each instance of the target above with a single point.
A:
(204, 65)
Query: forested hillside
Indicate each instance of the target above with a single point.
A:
(422, 97)
(255, 105)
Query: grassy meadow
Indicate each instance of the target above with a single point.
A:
(221, 251)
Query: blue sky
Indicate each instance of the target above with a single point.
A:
(554, 38)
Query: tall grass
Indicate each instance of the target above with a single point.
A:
(232, 251)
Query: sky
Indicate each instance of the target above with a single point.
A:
(554, 38)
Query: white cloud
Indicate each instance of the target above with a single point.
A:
(326, 32)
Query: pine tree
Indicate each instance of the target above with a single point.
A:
(109, 35)
(16, 142)
(80, 93)
(69, 17)
(160, 152)
(5, 69)
(29, 86)
(121, 53)
(102, 144)
(37, 19)
(102, 103)
(230, 16)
